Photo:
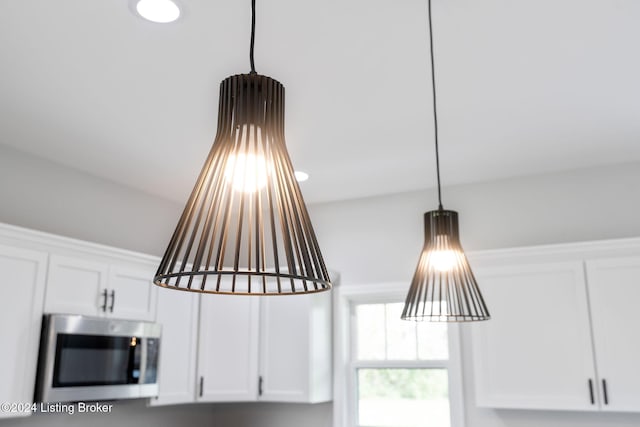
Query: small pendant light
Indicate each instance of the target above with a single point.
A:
(443, 288)
(245, 229)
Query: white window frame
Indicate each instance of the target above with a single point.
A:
(344, 378)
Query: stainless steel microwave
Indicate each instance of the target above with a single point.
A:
(89, 359)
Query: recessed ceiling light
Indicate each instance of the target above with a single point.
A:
(160, 11)
(301, 176)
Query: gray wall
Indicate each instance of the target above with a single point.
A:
(367, 241)
(379, 240)
(41, 195)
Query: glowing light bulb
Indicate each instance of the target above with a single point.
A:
(247, 169)
(246, 172)
(443, 260)
(442, 257)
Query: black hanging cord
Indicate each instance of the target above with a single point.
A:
(435, 112)
(253, 35)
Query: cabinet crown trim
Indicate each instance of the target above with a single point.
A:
(574, 250)
(49, 241)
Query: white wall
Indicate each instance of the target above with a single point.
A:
(379, 240)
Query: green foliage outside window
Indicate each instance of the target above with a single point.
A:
(393, 383)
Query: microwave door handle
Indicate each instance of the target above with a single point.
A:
(143, 361)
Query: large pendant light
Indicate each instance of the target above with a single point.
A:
(245, 229)
(443, 288)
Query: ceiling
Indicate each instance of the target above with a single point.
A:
(524, 87)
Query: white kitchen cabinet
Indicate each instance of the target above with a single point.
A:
(535, 352)
(270, 348)
(136, 294)
(76, 286)
(295, 348)
(614, 291)
(228, 348)
(178, 314)
(561, 333)
(21, 308)
(99, 286)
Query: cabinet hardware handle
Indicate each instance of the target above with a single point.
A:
(260, 385)
(593, 400)
(113, 300)
(605, 393)
(201, 386)
(104, 304)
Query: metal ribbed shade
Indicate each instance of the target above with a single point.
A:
(245, 228)
(443, 287)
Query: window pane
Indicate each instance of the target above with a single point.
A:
(371, 331)
(382, 335)
(403, 398)
(433, 341)
(401, 334)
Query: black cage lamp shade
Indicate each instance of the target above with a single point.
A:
(245, 228)
(443, 286)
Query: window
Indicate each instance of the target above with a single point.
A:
(395, 373)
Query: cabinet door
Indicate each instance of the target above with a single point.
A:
(295, 348)
(177, 312)
(614, 291)
(75, 286)
(228, 348)
(536, 351)
(132, 295)
(21, 304)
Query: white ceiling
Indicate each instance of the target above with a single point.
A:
(524, 87)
